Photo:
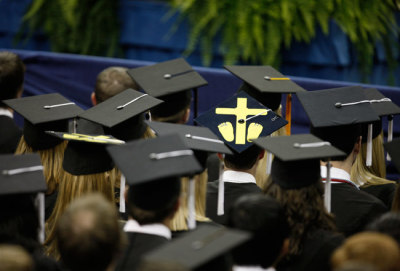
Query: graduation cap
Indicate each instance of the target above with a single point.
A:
(202, 141)
(199, 247)
(23, 174)
(267, 85)
(383, 106)
(41, 113)
(335, 114)
(147, 163)
(121, 115)
(239, 120)
(86, 154)
(297, 160)
(170, 81)
(393, 149)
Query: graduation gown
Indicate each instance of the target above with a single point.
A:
(9, 136)
(384, 192)
(353, 208)
(233, 191)
(317, 250)
(139, 245)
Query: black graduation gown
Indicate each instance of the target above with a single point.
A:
(10, 135)
(353, 208)
(233, 191)
(317, 250)
(139, 245)
(384, 192)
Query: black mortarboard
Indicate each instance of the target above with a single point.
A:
(41, 113)
(148, 160)
(199, 247)
(170, 81)
(23, 174)
(239, 120)
(393, 148)
(86, 154)
(383, 106)
(297, 158)
(199, 139)
(121, 115)
(266, 85)
(337, 106)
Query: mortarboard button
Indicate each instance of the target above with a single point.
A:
(239, 120)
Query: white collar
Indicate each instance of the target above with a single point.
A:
(231, 176)
(337, 173)
(6, 112)
(154, 229)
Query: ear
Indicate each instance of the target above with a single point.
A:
(261, 155)
(357, 146)
(186, 116)
(93, 98)
(220, 156)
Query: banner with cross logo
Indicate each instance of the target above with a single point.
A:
(241, 119)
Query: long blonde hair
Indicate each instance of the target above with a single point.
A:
(261, 171)
(51, 160)
(70, 188)
(376, 174)
(179, 222)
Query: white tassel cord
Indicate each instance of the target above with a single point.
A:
(191, 205)
(221, 191)
(369, 146)
(122, 194)
(39, 202)
(327, 195)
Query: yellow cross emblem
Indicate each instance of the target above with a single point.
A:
(241, 112)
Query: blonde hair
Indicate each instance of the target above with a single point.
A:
(261, 171)
(374, 175)
(70, 188)
(377, 249)
(179, 221)
(51, 160)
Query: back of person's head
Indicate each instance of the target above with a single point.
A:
(88, 234)
(15, 258)
(265, 219)
(154, 201)
(18, 221)
(356, 266)
(388, 223)
(377, 249)
(244, 160)
(343, 137)
(12, 71)
(112, 81)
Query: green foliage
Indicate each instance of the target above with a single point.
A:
(84, 27)
(254, 31)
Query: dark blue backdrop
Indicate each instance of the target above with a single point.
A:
(144, 37)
